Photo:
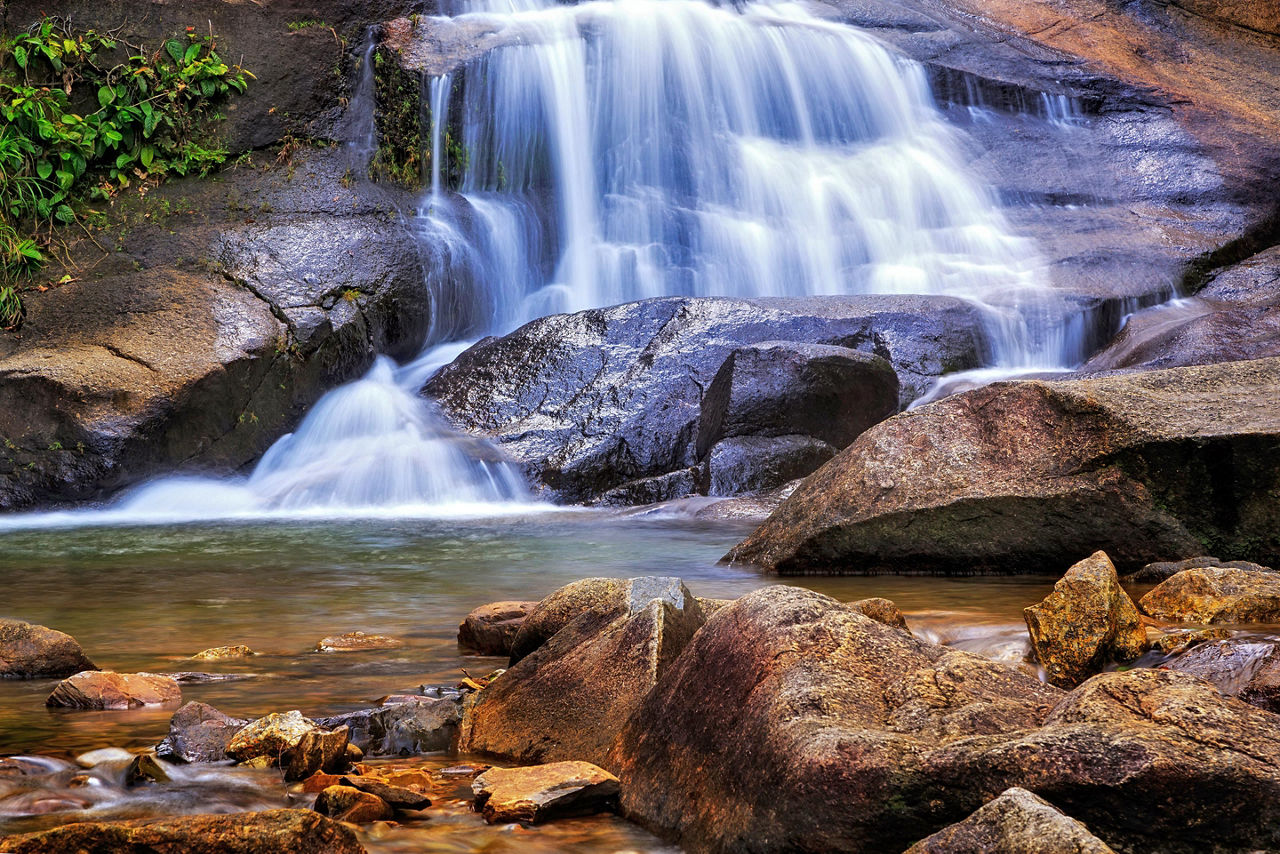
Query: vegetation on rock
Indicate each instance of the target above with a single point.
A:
(86, 114)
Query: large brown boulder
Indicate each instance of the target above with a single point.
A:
(270, 832)
(1017, 822)
(28, 651)
(568, 698)
(791, 722)
(490, 629)
(1216, 595)
(1087, 621)
(94, 689)
(1017, 476)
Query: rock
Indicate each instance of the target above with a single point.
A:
(1178, 642)
(272, 737)
(240, 833)
(793, 723)
(317, 750)
(420, 725)
(569, 697)
(28, 651)
(1158, 571)
(751, 465)
(490, 629)
(145, 769)
(204, 338)
(542, 792)
(357, 642)
(1216, 595)
(345, 803)
(605, 597)
(1239, 667)
(609, 400)
(105, 756)
(199, 733)
(882, 611)
(785, 388)
(1014, 476)
(219, 653)
(397, 797)
(320, 781)
(1013, 823)
(1086, 622)
(106, 690)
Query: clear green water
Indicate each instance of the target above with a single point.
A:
(147, 598)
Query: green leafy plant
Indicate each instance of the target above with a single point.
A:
(85, 115)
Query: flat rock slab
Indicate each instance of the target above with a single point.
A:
(267, 832)
(218, 653)
(1017, 822)
(357, 642)
(541, 792)
(29, 651)
(107, 690)
(1216, 595)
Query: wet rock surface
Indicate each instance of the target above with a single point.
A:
(867, 736)
(593, 401)
(243, 833)
(491, 629)
(568, 698)
(357, 642)
(541, 792)
(1162, 570)
(1017, 821)
(220, 653)
(1248, 668)
(223, 315)
(1015, 477)
(1087, 622)
(1216, 595)
(199, 733)
(107, 690)
(28, 651)
(416, 725)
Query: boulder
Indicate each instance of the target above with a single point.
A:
(568, 698)
(541, 792)
(1087, 622)
(95, 689)
(220, 653)
(346, 803)
(604, 597)
(1216, 595)
(881, 610)
(1162, 570)
(417, 725)
(490, 629)
(1017, 822)
(266, 832)
(792, 722)
(397, 797)
(357, 642)
(1015, 476)
(199, 733)
(1248, 668)
(592, 402)
(786, 388)
(272, 737)
(751, 465)
(28, 651)
(317, 750)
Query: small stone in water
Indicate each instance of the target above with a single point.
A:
(221, 652)
(346, 803)
(145, 769)
(357, 642)
(103, 756)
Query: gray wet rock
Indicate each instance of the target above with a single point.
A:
(611, 399)
(418, 725)
(199, 733)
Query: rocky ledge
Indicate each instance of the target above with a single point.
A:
(1016, 476)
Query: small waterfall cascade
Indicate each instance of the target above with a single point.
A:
(616, 150)
(641, 148)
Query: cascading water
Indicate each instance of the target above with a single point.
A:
(638, 148)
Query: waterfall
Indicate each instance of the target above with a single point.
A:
(622, 149)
